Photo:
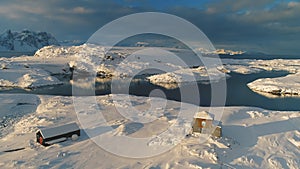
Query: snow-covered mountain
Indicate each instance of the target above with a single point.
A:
(71, 42)
(25, 41)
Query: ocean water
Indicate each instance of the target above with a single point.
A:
(259, 56)
(238, 94)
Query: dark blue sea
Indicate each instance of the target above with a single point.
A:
(238, 94)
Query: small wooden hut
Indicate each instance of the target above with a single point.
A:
(55, 134)
(203, 122)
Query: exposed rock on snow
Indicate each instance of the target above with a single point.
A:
(25, 41)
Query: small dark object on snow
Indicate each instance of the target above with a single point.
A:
(49, 136)
(13, 150)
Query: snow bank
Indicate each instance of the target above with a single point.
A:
(13, 108)
(20, 75)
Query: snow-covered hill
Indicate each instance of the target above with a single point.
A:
(25, 41)
(252, 137)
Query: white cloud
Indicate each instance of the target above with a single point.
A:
(293, 4)
(77, 10)
(81, 10)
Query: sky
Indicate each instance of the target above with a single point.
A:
(269, 26)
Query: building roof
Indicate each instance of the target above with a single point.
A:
(203, 115)
(59, 130)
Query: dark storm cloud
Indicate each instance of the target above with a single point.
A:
(66, 19)
(266, 25)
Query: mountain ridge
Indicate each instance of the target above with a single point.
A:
(25, 41)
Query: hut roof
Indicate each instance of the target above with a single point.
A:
(59, 130)
(203, 115)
